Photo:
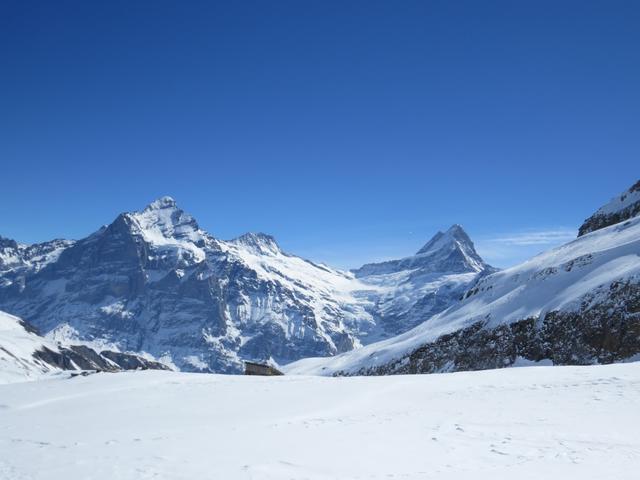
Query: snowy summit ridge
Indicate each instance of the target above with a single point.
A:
(259, 242)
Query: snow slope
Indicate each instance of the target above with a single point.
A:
(17, 346)
(569, 278)
(526, 423)
(24, 355)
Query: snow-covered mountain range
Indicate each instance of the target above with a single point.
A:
(18, 259)
(575, 304)
(153, 281)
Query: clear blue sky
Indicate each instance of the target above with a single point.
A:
(351, 131)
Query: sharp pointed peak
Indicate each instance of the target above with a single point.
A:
(456, 228)
(455, 233)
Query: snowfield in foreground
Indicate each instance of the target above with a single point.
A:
(524, 423)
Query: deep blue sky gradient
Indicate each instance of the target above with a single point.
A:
(350, 130)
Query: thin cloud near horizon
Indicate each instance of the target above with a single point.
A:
(502, 249)
(510, 248)
(533, 237)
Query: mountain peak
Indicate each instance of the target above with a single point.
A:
(451, 251)
(261, 242)
(454, 249)
(161, 203)
(455, 234)
(163, 219)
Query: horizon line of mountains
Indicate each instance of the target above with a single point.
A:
(153, 282)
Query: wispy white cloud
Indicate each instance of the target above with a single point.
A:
(535, 237)
(509, 248)
(502, 249)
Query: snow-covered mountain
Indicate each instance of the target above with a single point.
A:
(412, 289)
(24, 355)
(153, 281)
(575, 304)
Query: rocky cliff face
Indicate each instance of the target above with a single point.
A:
(604, 331)
(620, 208)
(575, 304)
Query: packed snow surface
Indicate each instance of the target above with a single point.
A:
(525, 423)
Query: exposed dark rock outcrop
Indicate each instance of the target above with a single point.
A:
(618, 210)
(81, 357)
(127, 361)
(598, 332)
(25, 354)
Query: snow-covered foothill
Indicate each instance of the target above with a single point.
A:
(26, 356)
(18, 343)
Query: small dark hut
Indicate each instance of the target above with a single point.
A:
(253, 368)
